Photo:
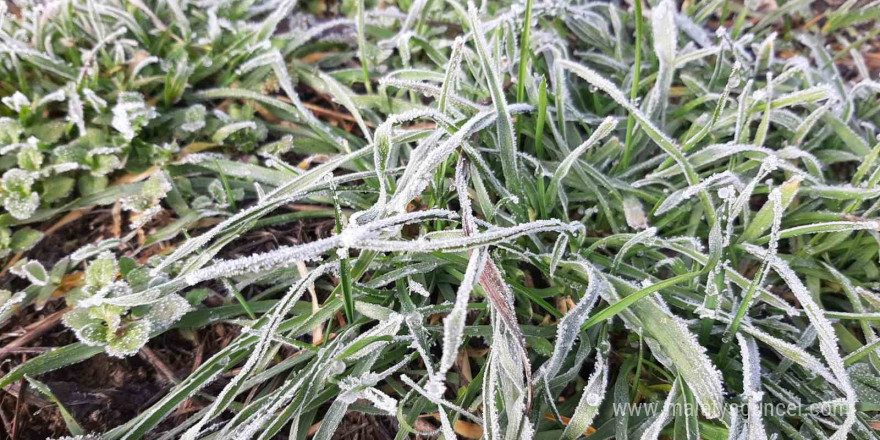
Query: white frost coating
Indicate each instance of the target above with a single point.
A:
(752, 385)
(871, 297)
(57, 96)
(351, 237)
(229, 129)
(588, 405)
(634, 213)
(405, 379)
(290, 191)
(665, 35)
(282, 308)
(274, 59)
(75, 109)
(559, 249)
(17, 101)
(793, 352)
(676, 198)
(461, 243)
(568, 329)
(417, 287)
(600, 133)
(10, 303)
(665, 31)
(142, 64)
(653, 431)
(129, 110)
(643, 237)
(827, 338)
(420, 173)
(454, 323)
(870, 225)
(842, 192)
(431, 90)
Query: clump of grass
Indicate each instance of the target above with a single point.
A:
(503, 265)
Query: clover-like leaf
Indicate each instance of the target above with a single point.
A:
(129, 339)
(194, 118)
(131, 114)
(10, 131)
(22, 240)
(168, 310)
(30, 157)
(36, 273)
(21, 206)
(102, 271)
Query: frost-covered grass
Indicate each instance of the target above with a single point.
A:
(545, 212)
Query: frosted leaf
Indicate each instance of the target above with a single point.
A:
(381, 400)
(22, 206)
(752, 385)
(841, 192)
(792, 352)
(588, 406)
(229, 129)
(454, 323)
(665, 31)
(643, 237)
(17, 180)
(194, 118)
(92, 249)
(33, 271)
(93, 334)
(267, 331)
(11, 302)
(132, 338)
(870, 296)
(157, 186)
(101, 271)
(431, 90)
(827, 338)
(680, 196)
(373, 311)
(17, 101)
(559, 249)
(417, 287)
(568, 329)
(437, 401)
(674, 344)
(131, 113)
(75, 109)
(58, 95)
(452, 70)
(97, 103)
(604, 129)
(490, 237)
(653, 430)
(167, 311)
(634, 213)
(200, 158)
(403, 272)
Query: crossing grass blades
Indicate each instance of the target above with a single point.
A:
(552, 219)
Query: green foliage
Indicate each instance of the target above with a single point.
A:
(505, 248)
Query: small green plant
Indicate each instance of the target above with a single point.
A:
(552, 219)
